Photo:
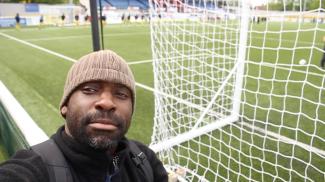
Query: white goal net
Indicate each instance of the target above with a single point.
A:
(240, 91)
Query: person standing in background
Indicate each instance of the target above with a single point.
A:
(41, 21)
(17, 18)
(76, 18)
(62, 19)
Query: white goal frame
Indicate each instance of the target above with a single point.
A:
(238, 71)
(185, 117)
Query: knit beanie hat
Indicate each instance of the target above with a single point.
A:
(104, 65)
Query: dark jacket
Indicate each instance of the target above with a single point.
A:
(87, 164)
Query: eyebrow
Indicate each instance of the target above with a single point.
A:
(89, 83)
(120, 85)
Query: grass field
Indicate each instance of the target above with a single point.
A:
(36, 78)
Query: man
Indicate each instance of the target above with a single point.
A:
(76, 18)
(62, 19)
(41, 21)
(97, 104)
(17, 18)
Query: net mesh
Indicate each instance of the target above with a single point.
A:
(239, 90)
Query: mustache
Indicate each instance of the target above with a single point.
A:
(106, 115)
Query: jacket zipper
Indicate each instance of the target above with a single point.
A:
(116, 161)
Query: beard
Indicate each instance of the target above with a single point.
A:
(97, 139)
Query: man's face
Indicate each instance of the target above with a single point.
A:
(98, 114)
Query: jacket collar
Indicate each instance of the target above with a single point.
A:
(86, 158)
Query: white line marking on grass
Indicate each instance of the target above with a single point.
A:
(30, 29)
(57, 38)
(140, 62)
(285, 139)
(300, 43)
(82, 36)
(31, 131)
(38, 47)
(170, 96)
(71, 59)
(58, 54)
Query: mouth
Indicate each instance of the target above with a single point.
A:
(103, 124)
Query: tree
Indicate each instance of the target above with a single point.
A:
(275, 6)
(315, 4)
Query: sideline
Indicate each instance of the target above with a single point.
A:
(38, 47)
(71, 59)
(140, 62)
(31, 131)
(82, 36)
(58, 54)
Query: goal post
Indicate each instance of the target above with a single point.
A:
(239, 91)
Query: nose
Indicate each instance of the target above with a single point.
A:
(105, 102)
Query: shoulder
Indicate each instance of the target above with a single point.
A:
(144, 148)
(159, 171)
(139, 144)
(24, 165)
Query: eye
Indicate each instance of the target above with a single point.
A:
(88, 90)
(122, 92)
(122, 95)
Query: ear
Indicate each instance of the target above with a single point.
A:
(64, 111)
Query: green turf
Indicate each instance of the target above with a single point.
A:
(3, 153)
(36, 78)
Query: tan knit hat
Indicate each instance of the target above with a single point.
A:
(104, 65)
